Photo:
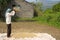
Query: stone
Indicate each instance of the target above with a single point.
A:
(26, 9)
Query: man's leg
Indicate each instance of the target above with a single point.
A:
(8, 30)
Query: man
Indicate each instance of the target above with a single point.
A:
(8, 15)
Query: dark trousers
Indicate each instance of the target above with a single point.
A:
(8, 30)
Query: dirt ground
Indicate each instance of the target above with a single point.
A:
(18, 27)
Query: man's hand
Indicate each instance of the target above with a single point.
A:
(17, 9)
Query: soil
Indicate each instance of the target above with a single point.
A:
(18, 27)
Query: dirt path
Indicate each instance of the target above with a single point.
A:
(31, 27)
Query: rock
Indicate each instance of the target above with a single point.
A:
(26, 11)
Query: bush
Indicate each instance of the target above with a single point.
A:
(56, 8)
(50, 17)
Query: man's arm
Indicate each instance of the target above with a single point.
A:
(12, 13)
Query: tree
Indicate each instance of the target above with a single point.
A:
(56, 8)
(37, 8)
(3, 5)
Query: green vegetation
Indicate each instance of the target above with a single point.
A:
(56, 8)
(50, 16)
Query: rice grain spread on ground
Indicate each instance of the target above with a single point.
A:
(25, 36)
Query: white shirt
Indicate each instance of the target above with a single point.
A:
(8, 16)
